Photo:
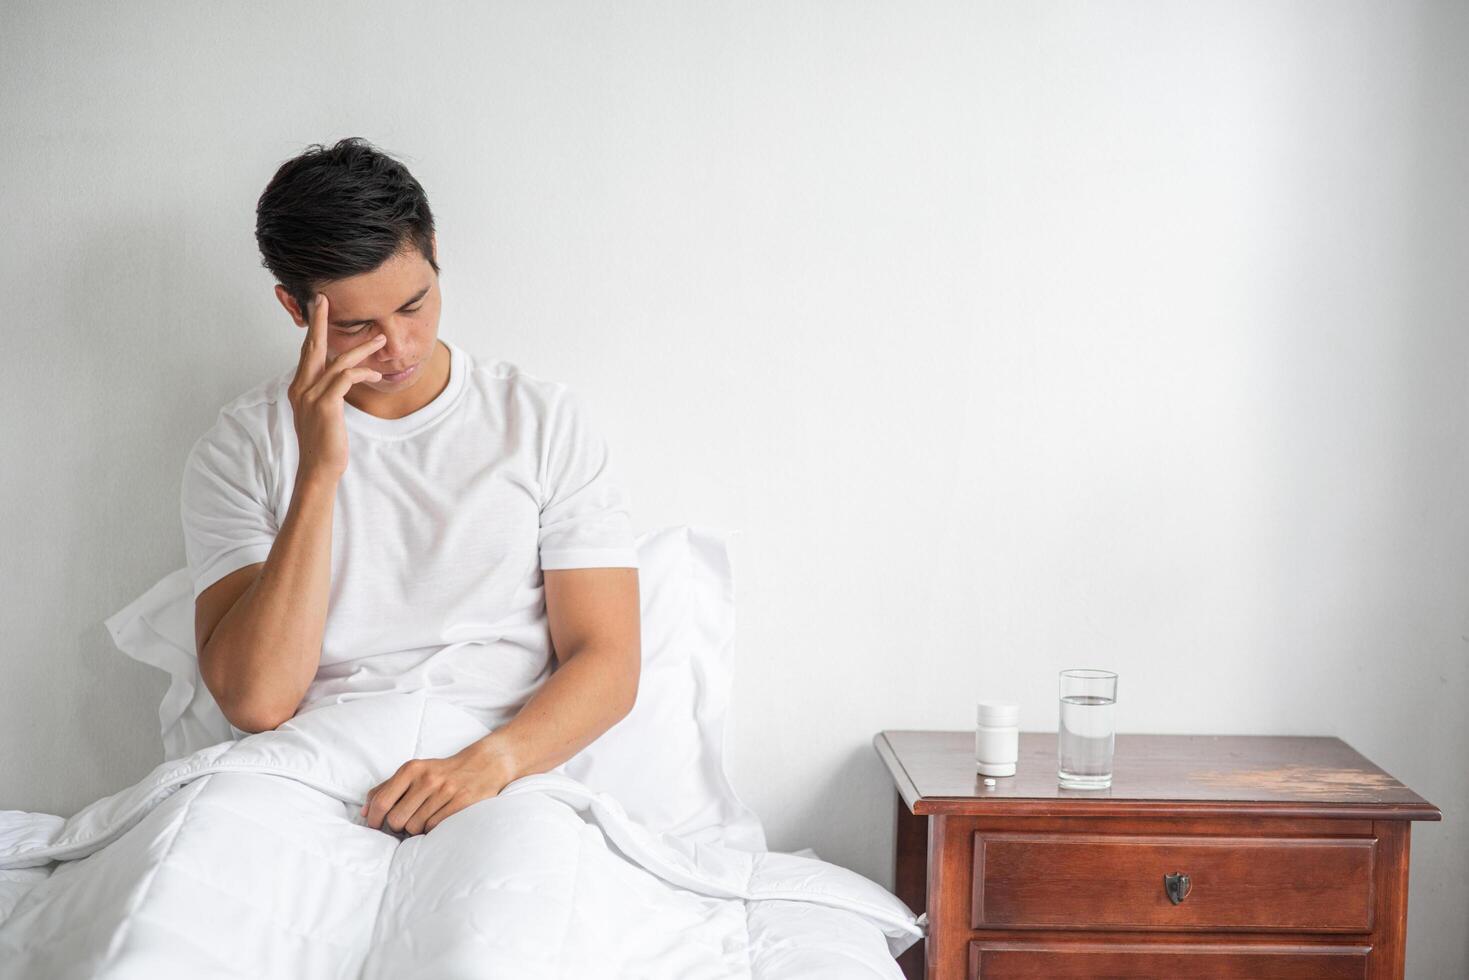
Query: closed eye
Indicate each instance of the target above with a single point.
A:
(358, 328)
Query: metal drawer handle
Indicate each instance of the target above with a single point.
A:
(1177, 885)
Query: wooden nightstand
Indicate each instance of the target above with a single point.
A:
(1285, 857)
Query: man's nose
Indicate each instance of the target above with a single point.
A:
(395, 350)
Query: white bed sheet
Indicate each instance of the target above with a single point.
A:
(250, 859)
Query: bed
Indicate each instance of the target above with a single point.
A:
(247, 855)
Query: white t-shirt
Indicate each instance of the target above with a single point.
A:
(443, 523)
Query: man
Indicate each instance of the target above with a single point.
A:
(393, 514)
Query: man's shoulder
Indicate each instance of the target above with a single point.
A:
(250, 414)
(260, 397)
(507, 381)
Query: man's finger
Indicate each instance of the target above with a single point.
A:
(444, 812)
(354, 355)
(383, 799)
(402, 812)
(422, 820)
(316, 334)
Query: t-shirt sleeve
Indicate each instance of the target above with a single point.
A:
(224, 505)
(584, 518)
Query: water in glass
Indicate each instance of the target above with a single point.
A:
(1087, 732)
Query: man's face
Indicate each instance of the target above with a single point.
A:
(399, 299)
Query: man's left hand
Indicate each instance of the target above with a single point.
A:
(423, 792)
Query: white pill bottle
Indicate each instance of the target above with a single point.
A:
(997, 738)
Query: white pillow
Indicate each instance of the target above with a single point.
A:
(664, 762)
(157, 629)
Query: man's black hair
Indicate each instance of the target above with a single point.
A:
(338, 211)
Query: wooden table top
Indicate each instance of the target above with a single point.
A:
(1285, 775)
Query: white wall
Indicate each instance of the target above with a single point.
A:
(1012, 336)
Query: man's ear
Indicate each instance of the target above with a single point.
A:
(289, 302)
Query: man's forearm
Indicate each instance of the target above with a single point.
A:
(267, 648)
(587, 694)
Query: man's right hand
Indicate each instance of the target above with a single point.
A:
(317, 393)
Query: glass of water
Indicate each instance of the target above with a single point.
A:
(1088, 729)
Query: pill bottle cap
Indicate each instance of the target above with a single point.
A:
(998, 714)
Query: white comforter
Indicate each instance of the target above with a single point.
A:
(250, 859)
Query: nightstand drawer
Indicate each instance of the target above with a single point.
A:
(1096, 881)
(1182, 961)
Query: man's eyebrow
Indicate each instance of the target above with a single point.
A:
(406, 303)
